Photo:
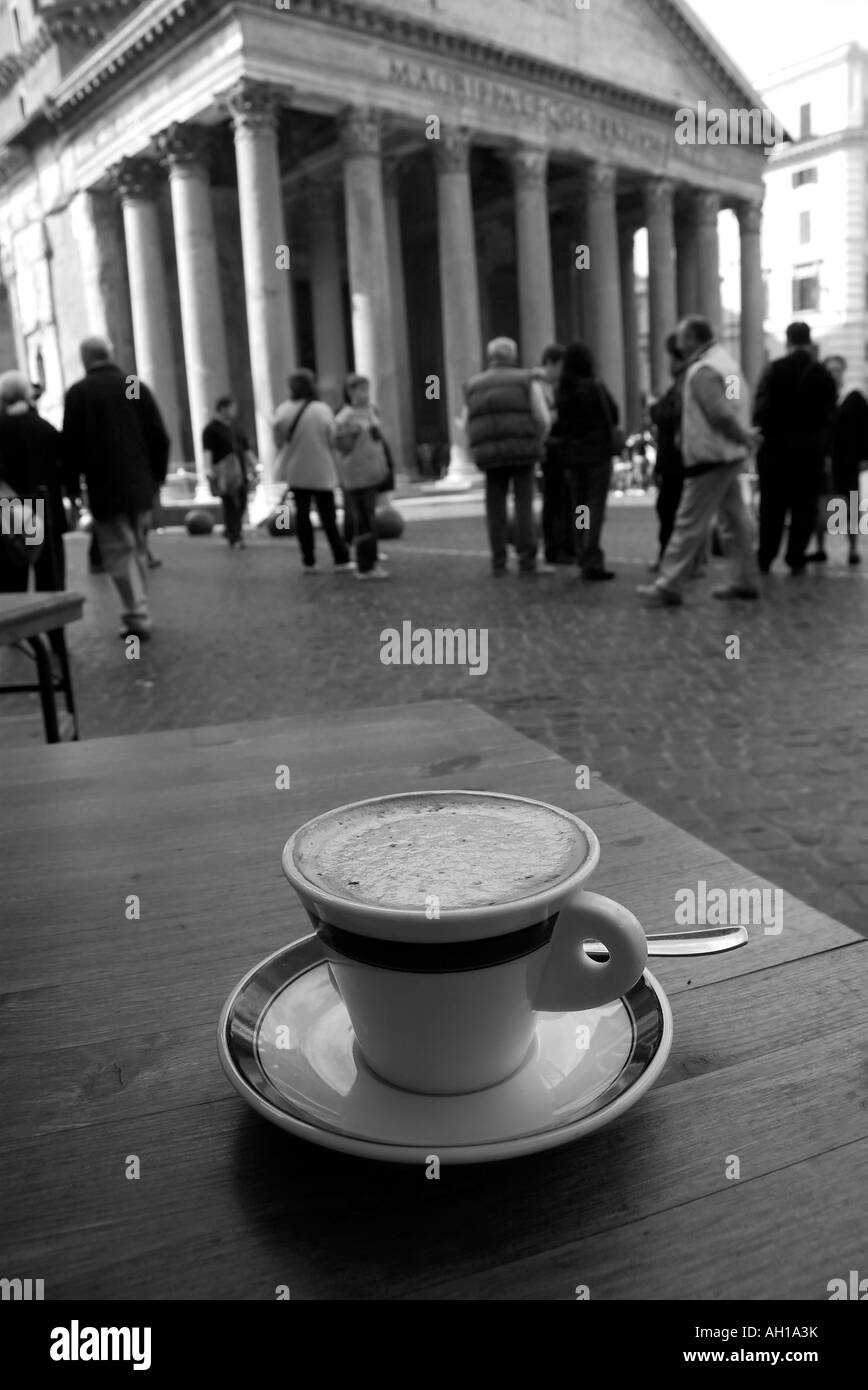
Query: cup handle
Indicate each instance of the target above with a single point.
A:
(571, 980)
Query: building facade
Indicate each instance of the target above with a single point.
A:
(229, 190)
(816, 209)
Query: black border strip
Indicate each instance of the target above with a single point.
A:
(436, 957)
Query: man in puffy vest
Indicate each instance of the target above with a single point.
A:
(716, 439)
(506, 421)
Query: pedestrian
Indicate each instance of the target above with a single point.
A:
(506, 422)
(795, 405)
(114, 437)
(228, 463)
(716, 440)
(364, 468)
(665, 414)
(304, 433)
(848, 455)
(31, 468)
(557, 511)
(588, 426)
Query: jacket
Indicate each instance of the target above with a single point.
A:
(703, 442)
(666, 417)
(502, 431)
(309, 461)
(362, 458)
(795, 405)
(31, 457)
(584, 428)
(115, 440)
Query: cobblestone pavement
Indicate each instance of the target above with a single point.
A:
(763, 757)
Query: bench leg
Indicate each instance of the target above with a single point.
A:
(58, 641)
(46, 686)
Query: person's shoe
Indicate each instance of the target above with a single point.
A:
(348, 567)
(797, 570)
(597, 576)
(653, 596)
(817, 557)
(153, 562)
(736, 591)
(143, 633)
(376, 573)
(310, 571)
(854, 559)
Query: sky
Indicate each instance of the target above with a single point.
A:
(763, 35)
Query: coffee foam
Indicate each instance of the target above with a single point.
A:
(455, 852)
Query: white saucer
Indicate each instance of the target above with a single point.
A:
(286, 1044)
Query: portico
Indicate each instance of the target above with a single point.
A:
(380, 194)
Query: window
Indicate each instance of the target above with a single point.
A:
(805, 176)
(804, 228)
(805, 121)
(806, 293)
(22, 110)
(16, 24)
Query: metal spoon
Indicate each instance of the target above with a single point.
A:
(706, 942)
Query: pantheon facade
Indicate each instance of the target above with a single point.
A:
(231, 190)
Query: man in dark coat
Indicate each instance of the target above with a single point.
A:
(30, 464)
(669, 470)
(794, 406)
(114, 436)
(848, 455)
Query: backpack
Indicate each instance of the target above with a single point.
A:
(20, 518)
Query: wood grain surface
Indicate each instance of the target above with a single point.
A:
(108, 1049)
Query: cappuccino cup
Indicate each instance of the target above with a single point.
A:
(449, 920)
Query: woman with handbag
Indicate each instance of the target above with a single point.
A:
(304, 432)
(590, 437)
(366, 471)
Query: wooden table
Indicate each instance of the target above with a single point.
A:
(108, 1050)
(26, 618)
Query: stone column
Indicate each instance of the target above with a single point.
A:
(708, 254)
(662, 302)
(459, 293)
(184, 150)
(603, 279)
(255, 108)
(367, 252)
(533, 253)
(403, 446)
(630, 322)
(326, 276)
(137, 182)
(750, 217)
(687, 263)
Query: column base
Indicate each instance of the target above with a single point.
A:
(461, 476)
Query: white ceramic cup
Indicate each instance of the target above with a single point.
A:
(450, 1005)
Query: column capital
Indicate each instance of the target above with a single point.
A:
(706, 206)
(360, 131)
(181, 145)
(529, 166)
(254, 105)
(139, 176)
(452, 150)
(750, 217)
(601, 179)
(659, 196)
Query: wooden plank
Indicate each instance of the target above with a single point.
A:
(24, 615)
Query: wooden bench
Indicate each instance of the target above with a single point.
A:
(25, 619)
